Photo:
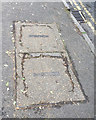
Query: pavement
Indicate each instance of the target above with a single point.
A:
(78, 50)
(0, 60)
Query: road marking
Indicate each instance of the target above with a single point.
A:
(71, 2)
(66, 5)
(76, 9)
(76, 5)
(91, 45)
(88, 13)
(88, 22)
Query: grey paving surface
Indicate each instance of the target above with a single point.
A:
(42, 85)
(0, 59)
(78, 49)
(48, 78)
(49, 42)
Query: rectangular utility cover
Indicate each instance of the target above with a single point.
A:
(38, 38)
(44, 70)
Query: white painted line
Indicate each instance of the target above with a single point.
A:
(91, 45)
(88, 13)
(66, 5)
(88, 22)
(89, 42)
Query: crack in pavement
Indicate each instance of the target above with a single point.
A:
(29, 56)
(23, 77)
(67, 71)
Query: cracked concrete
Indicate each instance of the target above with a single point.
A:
(45, 77)
(52, 43)
(81, 57)
(39, 87)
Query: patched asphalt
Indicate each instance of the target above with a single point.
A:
(78, 50)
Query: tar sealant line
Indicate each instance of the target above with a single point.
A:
(84, 34)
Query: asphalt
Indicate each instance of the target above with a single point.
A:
(78, 49)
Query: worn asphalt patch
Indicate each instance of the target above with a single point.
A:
(44, 72)
(81, 57)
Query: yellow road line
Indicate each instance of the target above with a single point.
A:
(76, 5)
(87, 11)
(75, 8)
(88, 22)
(71, 2)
